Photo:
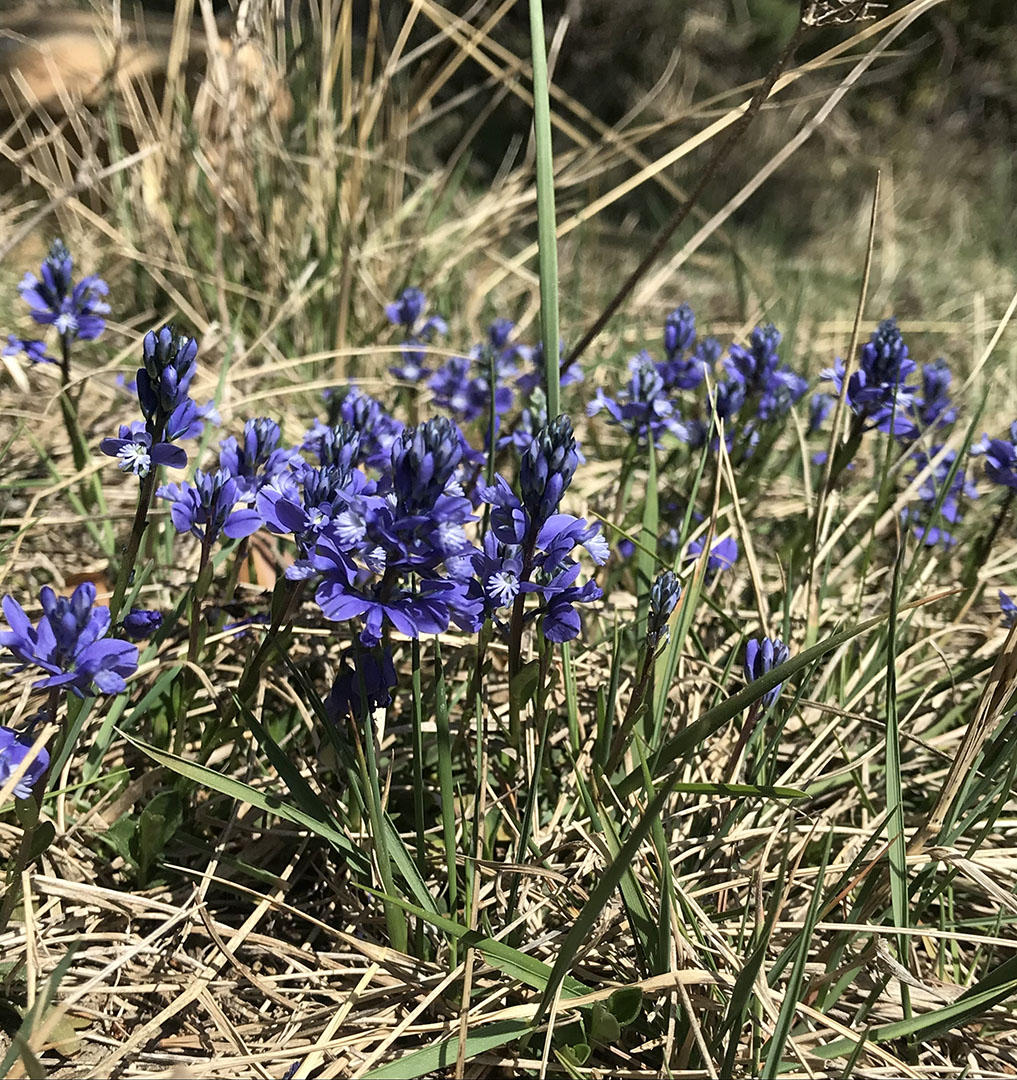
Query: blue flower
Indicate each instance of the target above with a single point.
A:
(761, 656)
(361, 670)
(207, 507)
(644, 409)
(531, 420)
(934, 407)
(664, 595)
(407, 308)
(520, 546)
(560, 595)
(75, 310)
(498, 569)
(877, 392)
(752, 365)
(687, 372)
(820, 407)
(424, 459)
(141, 623)
(546, 469)
(679, 331)
(136, 452)
(1000, 458)
(260, 461)
(14, 748)
(70, 643)
(760, 371)
(467, 394)
(342, 596)
(406, 311)
(723, 555)
(377, 430)
(333, 445)
(330, 498)
(920, 516)
(1007, 608)
(34, 350)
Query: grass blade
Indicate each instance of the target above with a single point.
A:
(546, 226)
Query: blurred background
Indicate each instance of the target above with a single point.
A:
(436, 97)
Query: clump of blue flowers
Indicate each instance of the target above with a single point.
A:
(878, 393)
(407, 312)
(921, 516)
(70, 643)
(163, 386)
(76, 311)
(529, 549)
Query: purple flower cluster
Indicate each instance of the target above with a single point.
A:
(761, 656)
(644, 408)
(463, 384)
(751, 377)
(878, 391)
(920, 515)
(530, 546)
(211, 505)
(407, 312)
(76, 311)
(163, 387)
(70, 643)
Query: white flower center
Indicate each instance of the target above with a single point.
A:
(135, 458)
(503, 587)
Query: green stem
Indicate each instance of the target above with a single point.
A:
(146, 494)
(194, 640)
(546, 226)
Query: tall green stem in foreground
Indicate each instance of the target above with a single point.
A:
(546, 234)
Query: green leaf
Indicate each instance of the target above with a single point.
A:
(604, 1026)
(442, 1056)
(157, 824)
(993, 990)
(577, 1053)
(524, 683)
(41, 839)
(270, 804)
(512, 962)
(20, 1042)
(626, 1004)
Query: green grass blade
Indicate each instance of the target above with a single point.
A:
(546, 226)
(991, 991)
(270, 804)
(785, 1018)
(442, 1056)
(446, 786)
(897, 854)
(509, 961)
